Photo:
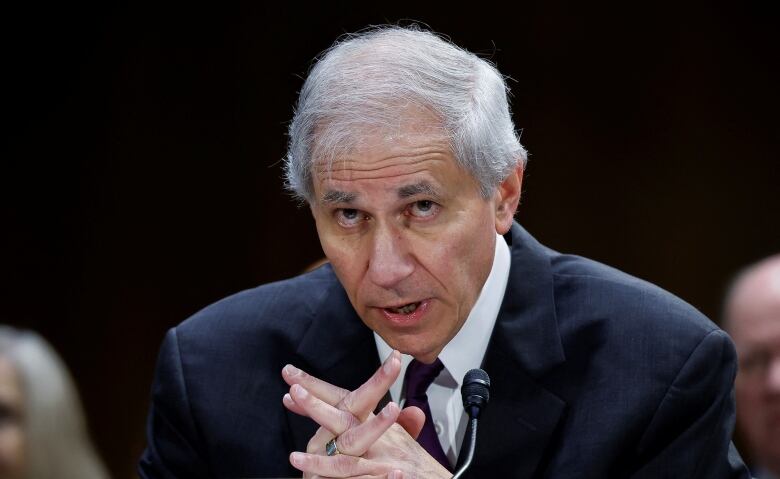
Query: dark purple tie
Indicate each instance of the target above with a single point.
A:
(418, 377)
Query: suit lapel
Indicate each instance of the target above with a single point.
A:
(522, 415)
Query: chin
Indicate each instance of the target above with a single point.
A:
(421, 352)
(410, 344)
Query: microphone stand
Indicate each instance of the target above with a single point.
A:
(469, 445)
(476, 394)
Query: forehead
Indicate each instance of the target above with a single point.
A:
(346, 143)
(413, 157)
(755, 308)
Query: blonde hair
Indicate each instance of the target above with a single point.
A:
(56, 437)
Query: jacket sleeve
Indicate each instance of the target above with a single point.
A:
(174, 447)
(690, 433)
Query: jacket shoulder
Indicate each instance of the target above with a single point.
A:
(281, 307)
(587, 291)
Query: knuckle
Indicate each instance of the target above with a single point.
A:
(342, 423)
(350, 421)
(346, 443)
(318, 440)
(312, 446)
(345, 464)
(348, 402)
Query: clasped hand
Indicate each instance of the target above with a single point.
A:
(371, 446)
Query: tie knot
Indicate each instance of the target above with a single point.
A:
(420, 375)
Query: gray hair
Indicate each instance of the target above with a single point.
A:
(56, 439)
(367, 80)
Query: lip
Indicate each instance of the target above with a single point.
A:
(407, 320)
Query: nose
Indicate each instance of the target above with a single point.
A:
(390, 261)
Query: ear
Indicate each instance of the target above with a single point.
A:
(506, 198)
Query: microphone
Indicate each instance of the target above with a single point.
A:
(476, 394)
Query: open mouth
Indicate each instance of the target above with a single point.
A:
(406, 315)
(405, 309)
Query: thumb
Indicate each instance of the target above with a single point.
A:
(412, 420)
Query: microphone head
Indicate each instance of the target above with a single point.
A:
(475, 391)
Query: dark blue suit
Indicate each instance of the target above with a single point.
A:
(595, 374)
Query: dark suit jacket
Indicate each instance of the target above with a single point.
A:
(595, 374)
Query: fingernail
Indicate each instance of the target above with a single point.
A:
(388, 366)
(296, 458)
(292, 370)
(287, 399)
(299, 391)
(388, 410)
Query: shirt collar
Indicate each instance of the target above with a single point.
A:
(467, 349)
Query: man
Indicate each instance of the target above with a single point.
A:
(404, 149)
(752, 317)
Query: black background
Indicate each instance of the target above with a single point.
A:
(140, 175)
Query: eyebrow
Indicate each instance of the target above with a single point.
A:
(420, 188)
(335, 196)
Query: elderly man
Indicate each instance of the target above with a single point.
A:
(404, 149)
(752, 316)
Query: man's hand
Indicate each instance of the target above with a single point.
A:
(361, 402)
(371, 446)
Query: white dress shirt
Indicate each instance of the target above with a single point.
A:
(464, 352)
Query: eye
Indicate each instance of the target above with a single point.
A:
(755, 362)
(349, 217)
(423, 209)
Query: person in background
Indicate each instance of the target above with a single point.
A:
(752, 317)
(43, 433)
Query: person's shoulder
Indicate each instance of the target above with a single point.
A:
(631, 332)
(281, 309)
(588, 291)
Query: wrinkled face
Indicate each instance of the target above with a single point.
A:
(409, 235)
(12, 440)
(755, 328)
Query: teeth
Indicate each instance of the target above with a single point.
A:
(408, 309)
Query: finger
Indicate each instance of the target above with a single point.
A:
(327, 392)
(356, 441)
(327, 416)
(288, 402)
(363, 400)
(395, 475)
(360, 402)
(341, 465)
(383, 476)
(316, 444)
(412, 420)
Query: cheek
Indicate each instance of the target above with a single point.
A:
(462, 262)
(12, 454)
(749, 398)
(339, 250)
(345, 268)
(344, 256)
(746, 389)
